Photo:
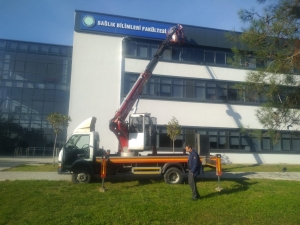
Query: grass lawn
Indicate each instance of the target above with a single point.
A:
(226, 168)
(148, 201)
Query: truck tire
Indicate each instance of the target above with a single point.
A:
(173, 176)
(81, 178)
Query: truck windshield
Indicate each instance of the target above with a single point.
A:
(136, 124)
(78, 142)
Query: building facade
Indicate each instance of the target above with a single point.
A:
(193, 82)
(34, 82)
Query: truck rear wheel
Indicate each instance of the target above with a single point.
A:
(173, 176)
(81, 178)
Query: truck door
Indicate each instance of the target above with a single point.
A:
(78, 146)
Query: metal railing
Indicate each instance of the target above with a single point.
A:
(35, 151)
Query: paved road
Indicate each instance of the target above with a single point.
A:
(7, 162)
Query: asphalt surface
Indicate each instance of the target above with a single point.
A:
(7, 162)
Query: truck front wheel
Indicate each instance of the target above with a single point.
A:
(173, 176)
(81, 178)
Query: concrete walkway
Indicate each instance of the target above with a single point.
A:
(7, 162)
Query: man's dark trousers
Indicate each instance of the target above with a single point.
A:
(192, 183)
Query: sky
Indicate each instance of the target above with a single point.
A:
(52, 21)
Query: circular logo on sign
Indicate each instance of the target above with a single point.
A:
(88, 21)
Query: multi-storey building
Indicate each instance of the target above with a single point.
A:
(34, 82)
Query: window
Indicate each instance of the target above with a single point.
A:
(211, 91)
(220, 58)
(189, 89)
(165, 87)
(234, 140)
(200, 90)
(177, 88)
(223, 140)
(143, 51)
(131, 49)
(209, 57)
(19, 66)
(222, 91)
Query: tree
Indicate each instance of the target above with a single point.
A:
(271, 42)
(58, 122)
(173, 130)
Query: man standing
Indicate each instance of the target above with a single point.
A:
(194, 165)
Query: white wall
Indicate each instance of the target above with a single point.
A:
(95, 84)
(201, 114)
(187, 70)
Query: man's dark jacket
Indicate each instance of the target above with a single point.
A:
(195, 165)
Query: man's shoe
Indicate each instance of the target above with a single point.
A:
(195, 199)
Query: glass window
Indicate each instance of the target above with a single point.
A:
(31, 57)
(220, 58)
(2, 44)
(33, 47)
(11, 45)
(19, 66)
(52, 59)
(9, 55)
(53, 50)
(27, 94)
(286, 144)
(16, 93)
(189, 89)
(143, 51)
(222, 94)
(187, 55)
(51, 68)
(167, 54)
(266, 144)
(234, 140)
(211, 91)
(37, 107)
(49, 95)
(60, 96)
(48, 107)
(223, 140)
(209, 57)
(21, 56)
(296, 144)
(177, 88)
(38, 94)
(153, 50)
(62, 69)
(131, 49)
(43, 48)
(152, 87)
(42, 58)
(63, 51)
(232, 93)
(198, 56)
(30, 67)
(129, 82)
(22, 46)
(165, 87)
(1, 54)
(60, 108)
(30, 76)
(41, 67)
(176, 53)
(5, 92)
(245, 143)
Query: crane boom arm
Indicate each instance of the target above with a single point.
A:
(117, 124)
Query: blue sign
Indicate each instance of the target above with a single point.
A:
(125, 26)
